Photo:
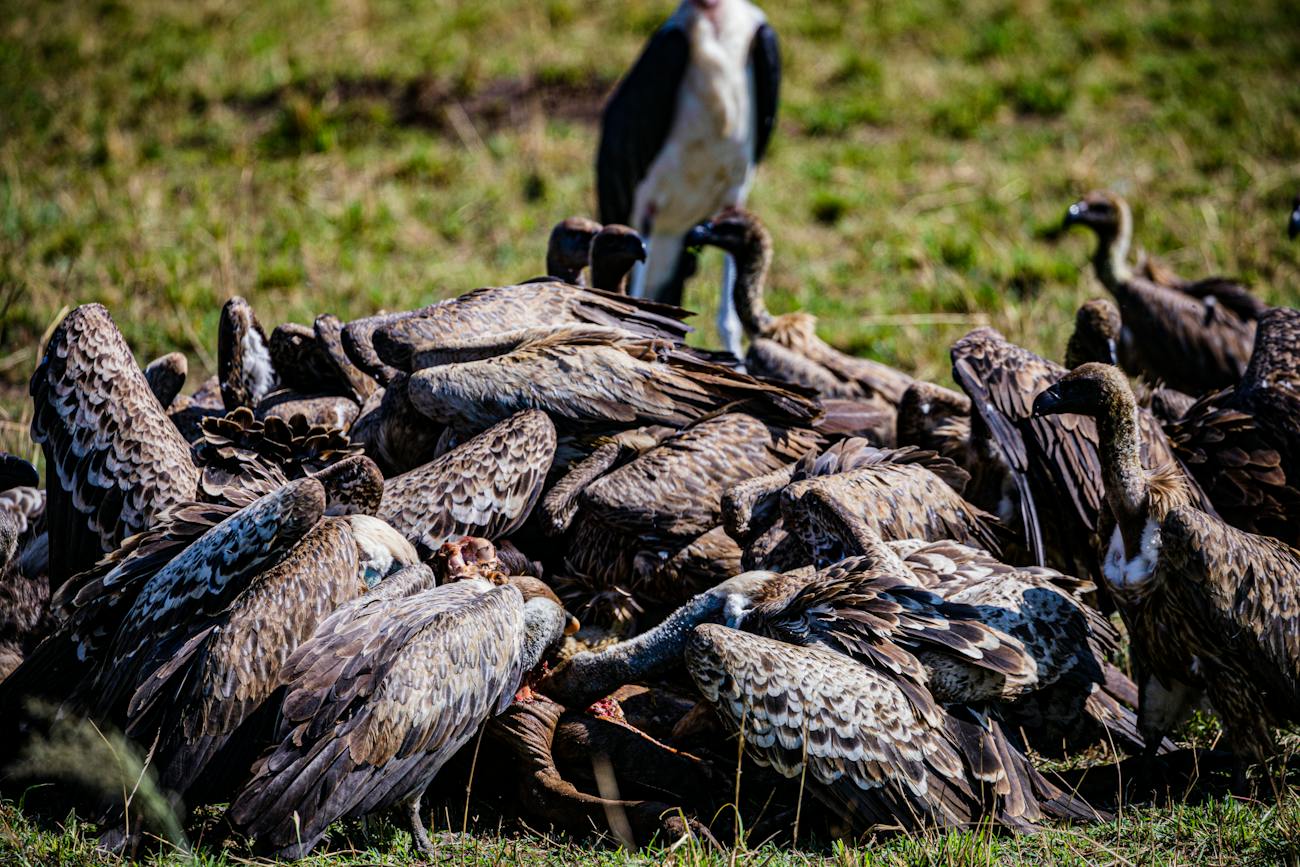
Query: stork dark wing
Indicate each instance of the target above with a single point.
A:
(637, 120)
(765, 67)
(485, 487)
(378, 699)
(114, 458)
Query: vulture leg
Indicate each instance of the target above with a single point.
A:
(418, 832)
(528, 729)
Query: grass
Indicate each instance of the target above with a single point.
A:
(356, 155)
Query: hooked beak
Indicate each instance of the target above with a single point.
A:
(1113, 350)
(1047, 402)
(700, 235)
(1293, 228)
(639, 251)
(1078, 213)
(571, 626)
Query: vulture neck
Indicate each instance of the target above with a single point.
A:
(609, 272)
(752, 264)
(1128, 492)
(1111, 256)
(544, 623)
(591, 676)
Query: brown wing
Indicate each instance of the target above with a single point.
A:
(877, 754)
(881, 621)
(892, 501)
(198, 698)
(560, 504)
(526, 305)
(770, 359)
(377, 700)
(485, 487)
(114, 458)
(593, 377)
(1247, 589)
(196, 586)
(676, 488)
(1167, 336)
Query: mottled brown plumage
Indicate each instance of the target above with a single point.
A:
(485, 487)
(395, 435)
(875, 753)
(1169, 334)
(827, 370)
(1209, 608)
(589, 378)
(895, 494)
(1243, 443)
(240, 450)
(114, 459)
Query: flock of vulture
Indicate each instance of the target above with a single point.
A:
(303, 588)
(528, 547)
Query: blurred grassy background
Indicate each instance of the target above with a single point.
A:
(348, 156)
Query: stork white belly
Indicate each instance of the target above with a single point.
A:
(707, 160)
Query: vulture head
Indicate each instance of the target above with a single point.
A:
(1097, 327)
(1103, 212)
(568, 247)
(735, 231)
(1091, 389)
(615, 249)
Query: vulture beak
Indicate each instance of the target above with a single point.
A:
(699, 236)
(1113, 351)
(639, 251)
(1049, 402)
(1078, 213)
(1293, 228)
(571, 625)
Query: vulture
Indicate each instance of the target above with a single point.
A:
(1046, 470)
(1211, 610)
(1242, 444)
(1170, 334)
(850, 701)
(787, 347)
(114, 459)
(682, 133)
(384, 692)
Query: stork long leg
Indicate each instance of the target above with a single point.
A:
(729, 328)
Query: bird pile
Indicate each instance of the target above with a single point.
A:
(303, 587)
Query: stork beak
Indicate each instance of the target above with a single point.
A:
(1048, 401)
(1293, 228)
(699, 236)
(1078, 213)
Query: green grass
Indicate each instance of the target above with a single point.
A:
(351, 156)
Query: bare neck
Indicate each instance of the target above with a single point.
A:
(752, 265)
(1127, 488)
(590, 676)
(1111, 256)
